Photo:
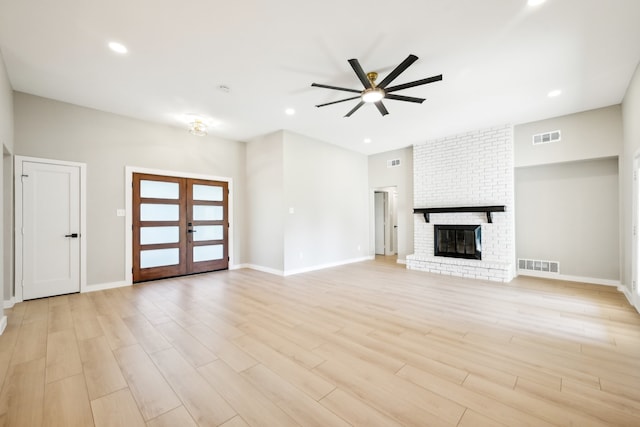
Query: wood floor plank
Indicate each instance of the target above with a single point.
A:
(302, 378)
(355, 411)
(205, 405)
(117, 409)
(224, 349)
(176, 417)
(66, 403)
(146, 334)
(101, 371)
(32, 339)
(254, 408)
(63, 356)
(299, 406)
(189, 347)
(22, 396)
(151, 391)
(116, 331)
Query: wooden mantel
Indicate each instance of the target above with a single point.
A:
(488, 210)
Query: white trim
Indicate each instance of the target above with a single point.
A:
(568, 278)
(264, 269)
(306, 269)
(9, 303)
(401, 261)
(3, 324)
(128, 223)
(328, 265)
(17, 191)
(105, 286)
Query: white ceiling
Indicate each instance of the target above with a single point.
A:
(499, 59)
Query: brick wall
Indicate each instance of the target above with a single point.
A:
(471, 169)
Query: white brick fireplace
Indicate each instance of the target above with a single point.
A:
(472, 169)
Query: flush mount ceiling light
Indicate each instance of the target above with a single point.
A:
(197, 128)
(289, 111)
(535, 2)
(118, 47)
(554, 93)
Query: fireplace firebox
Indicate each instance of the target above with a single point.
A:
(458, 241)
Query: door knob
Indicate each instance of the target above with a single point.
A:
(72, 235)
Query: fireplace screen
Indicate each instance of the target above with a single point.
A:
(458, 241)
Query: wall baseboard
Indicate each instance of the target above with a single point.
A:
(3, 324)
(104, 286)
(9, 303)
(569, 278)
(627, 293)
(263, 269)
(401, 261)
(328, 265)
(303, 270)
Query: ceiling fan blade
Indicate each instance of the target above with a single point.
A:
(416, 83)
(336, 102)
(354, 109)
(360, 73)
(404, 98)
(398, 70)
(335, 88)
(381, 108)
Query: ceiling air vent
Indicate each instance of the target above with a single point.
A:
(547, 137)
(393, 163)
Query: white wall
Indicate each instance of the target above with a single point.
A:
(327, 188)
(631, 132)
(401, 177)
(587, 135)
(265, 202)
(568, 212)
(6, 143)
(574, 173)
(108, 143)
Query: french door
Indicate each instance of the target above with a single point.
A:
(180, 226)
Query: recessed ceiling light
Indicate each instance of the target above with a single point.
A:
(367, 140)
(535, 2)
(554, 93)
(118, 47)
(289, 111)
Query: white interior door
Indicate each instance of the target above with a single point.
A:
(380, 203)
(50, 229)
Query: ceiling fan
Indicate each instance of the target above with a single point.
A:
(375, 93)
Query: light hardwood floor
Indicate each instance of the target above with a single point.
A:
(367, 344)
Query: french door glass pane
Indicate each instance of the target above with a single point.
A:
(207, 253)
(159, 189)
(159, 212)
(210, 193)
(159, 257)
(154, 235)
(207, 213)
(207, 232)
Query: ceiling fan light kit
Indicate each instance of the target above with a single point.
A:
(374, 94)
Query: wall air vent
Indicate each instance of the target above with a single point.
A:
(538, 265)
(547, 137)
(393, 163)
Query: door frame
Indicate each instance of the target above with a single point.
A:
(128, 223)
(17, 232)
(391, 216)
